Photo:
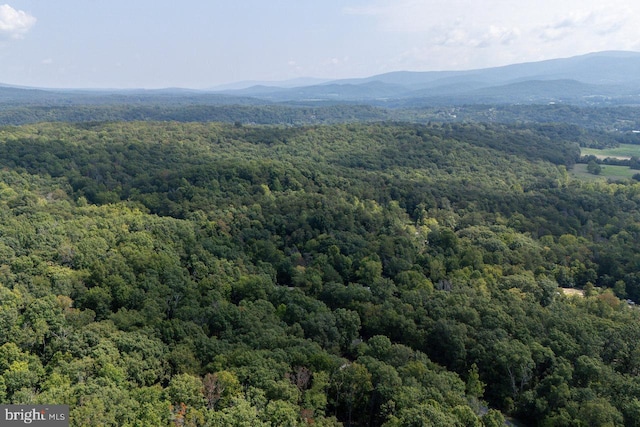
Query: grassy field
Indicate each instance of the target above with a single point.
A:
(624, 151)
(609, 172)
(615, 173)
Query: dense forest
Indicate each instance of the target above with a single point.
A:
(607, 123)
(355, 274)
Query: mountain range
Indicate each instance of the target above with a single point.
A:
(611, 76)
(602, 78)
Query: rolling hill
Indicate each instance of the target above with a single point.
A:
(594, 78)
(602, 78)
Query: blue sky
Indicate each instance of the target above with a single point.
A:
(204, 43)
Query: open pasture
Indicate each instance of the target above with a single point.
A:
(609, 172)
(623, 151)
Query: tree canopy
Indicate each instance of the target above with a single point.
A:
(166, 273)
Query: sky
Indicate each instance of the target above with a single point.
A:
(204, 43)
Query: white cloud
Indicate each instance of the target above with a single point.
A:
(522, 30)
(483, 38)
(14, 23)
(470, 33)
(416, 16)
(333, 61)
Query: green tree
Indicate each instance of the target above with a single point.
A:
(220, 388)
(186, 389)
(594, 168)
(352, 384)
(493, 418)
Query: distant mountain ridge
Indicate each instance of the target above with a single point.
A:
(599, 67)
(612, 76)
(601, 78)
